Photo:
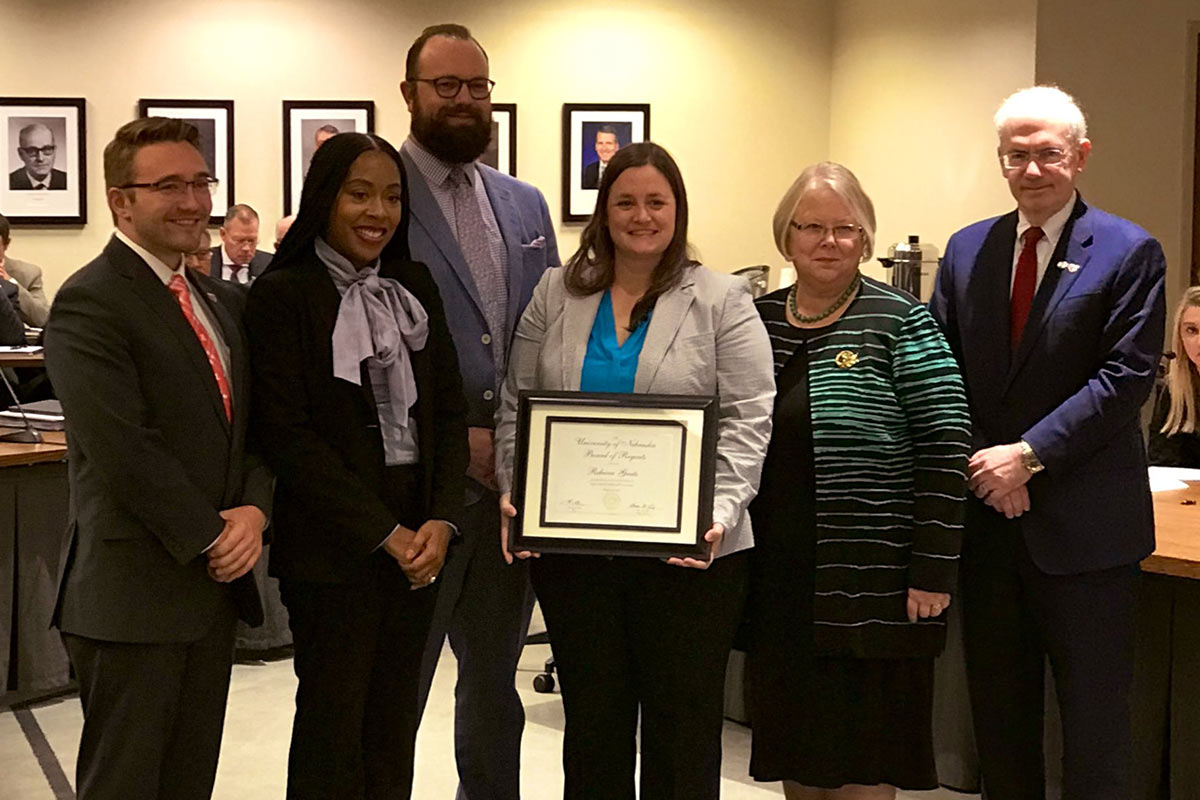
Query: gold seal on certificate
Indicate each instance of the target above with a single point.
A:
(616, 474)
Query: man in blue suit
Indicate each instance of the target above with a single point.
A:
(1055, 312)
(487, 238)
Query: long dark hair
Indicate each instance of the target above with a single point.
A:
(330, 165)
(590, 270)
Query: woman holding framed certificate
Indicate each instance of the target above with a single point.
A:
(359, 411)
(631, 312)
(859, 516)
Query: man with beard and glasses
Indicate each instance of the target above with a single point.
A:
(487, 239)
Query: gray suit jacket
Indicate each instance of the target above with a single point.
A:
(529, 239)
(35, 308)
(705, 338)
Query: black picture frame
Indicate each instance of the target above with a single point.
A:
(501, 153)
(214, 120)
(548, 521)
(62, 123)
(302, 119)
(580, 121)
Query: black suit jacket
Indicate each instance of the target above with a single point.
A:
(591, 176)
(321, 434)
(19, 179)
(152, 457)
(258, 264)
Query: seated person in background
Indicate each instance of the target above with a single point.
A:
(33, 305)
(238, 259)
(12, 330)
(1173, 430)
(281, 229)
(200, 259)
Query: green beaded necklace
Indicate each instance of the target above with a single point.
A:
(836, 303)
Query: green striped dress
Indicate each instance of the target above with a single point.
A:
(890, 439)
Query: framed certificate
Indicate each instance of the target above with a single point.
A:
(614, 474)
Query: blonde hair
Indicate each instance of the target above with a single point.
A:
(1183, 382)
(839, 179)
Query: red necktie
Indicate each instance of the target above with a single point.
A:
(1024, 287)
(179, 288)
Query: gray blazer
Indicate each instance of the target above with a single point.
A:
(35, 308)
(704, 338)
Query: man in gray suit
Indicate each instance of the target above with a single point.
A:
(487, 238)
(32, 302)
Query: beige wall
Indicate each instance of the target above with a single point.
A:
(735, 91)
(915, 85)
(1132, 67)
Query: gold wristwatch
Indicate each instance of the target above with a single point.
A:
(1029, 459)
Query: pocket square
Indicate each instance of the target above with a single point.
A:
(537, 244)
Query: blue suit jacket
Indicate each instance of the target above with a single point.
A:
(528, 234)
(1076, 384)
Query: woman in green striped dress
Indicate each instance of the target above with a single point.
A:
(857, 521)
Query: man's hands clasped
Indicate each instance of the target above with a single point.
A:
(997, 476)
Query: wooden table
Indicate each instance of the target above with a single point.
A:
(52, 448)
(1177, 532)
(22, 359)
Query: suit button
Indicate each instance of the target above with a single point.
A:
(486, 338)
(489, 394)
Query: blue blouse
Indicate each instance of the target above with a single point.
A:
(609, 367)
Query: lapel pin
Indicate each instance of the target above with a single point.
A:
(1068, 266)
(845, 359)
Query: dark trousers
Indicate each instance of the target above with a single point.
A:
(1014, 616)
(153, 715)
(358, 658)
(484, 606)
(630, 634)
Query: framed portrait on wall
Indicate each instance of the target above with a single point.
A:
(501, 153)
(306, 126)
(214, 120)
(592, 134)
(42, 139)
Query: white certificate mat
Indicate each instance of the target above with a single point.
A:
(620, 475)
(605, 474)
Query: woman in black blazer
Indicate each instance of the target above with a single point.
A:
(358, 409)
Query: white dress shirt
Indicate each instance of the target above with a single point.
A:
(1051, 232)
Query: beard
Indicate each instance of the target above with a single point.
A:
(453, 143)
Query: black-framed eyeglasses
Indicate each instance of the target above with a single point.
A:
(448, 86)
(33, 152)
(177, 186)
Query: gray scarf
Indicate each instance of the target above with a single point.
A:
(380, 321)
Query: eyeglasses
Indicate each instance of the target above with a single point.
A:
(1047, 157)
(448, 87)
(812, 232)
(33, 152)
(177, 187)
